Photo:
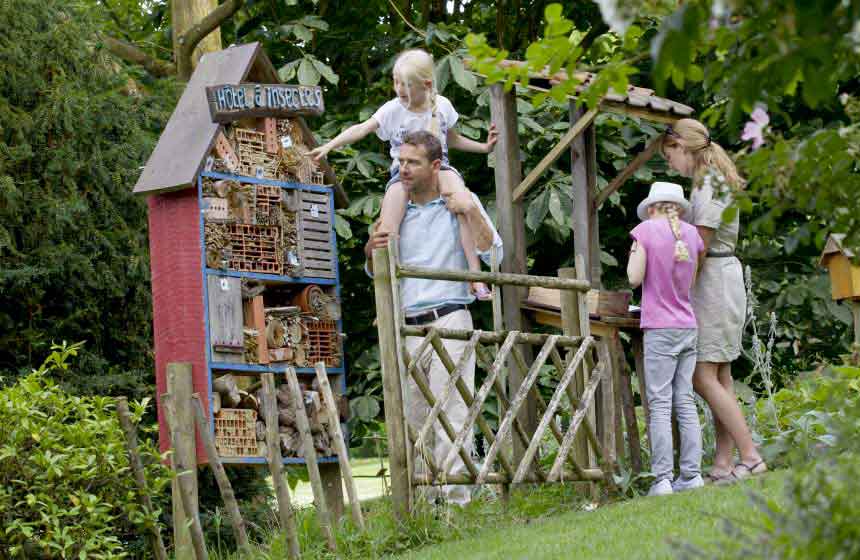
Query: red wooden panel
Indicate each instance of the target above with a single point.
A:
(177, 294)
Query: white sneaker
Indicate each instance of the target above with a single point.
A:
(682, 484)
(662, 488)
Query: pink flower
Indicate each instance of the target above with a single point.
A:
(754, 129)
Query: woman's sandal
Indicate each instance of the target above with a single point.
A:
(720, 478)
(742, 470)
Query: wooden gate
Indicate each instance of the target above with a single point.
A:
(577, 363)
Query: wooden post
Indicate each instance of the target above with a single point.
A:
(639, 359)
(224, 486)
(855, 311)
(136, 464)
(630, 422)
(185, 476)
(276, 466)
(303, 426)
(583, 175)
(339, 443)
(180, 387)
(509, 213)
(395, 421)
(499, 325)
(571, 326)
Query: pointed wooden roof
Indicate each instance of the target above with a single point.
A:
(189, 135)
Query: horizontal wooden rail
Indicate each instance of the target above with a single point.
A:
(499, 478)
(504, 278)
(489, 337)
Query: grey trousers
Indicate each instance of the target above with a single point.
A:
(417, 408)
(670, 359)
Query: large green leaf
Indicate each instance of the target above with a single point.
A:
(308, 75)
(464, 78)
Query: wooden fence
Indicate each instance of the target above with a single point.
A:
(576, 362)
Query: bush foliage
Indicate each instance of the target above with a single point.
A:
(66, 490)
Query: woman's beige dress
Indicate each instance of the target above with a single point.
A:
(719, 295)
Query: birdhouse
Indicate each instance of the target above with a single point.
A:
(844, 274)
(243, 249)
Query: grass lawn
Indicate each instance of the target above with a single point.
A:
(640, 528)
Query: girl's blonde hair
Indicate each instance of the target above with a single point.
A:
(707, 154)
(672, 211)
(416, 66)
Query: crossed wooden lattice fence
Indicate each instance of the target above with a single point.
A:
(576, 362)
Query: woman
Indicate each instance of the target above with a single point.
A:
(719, 299)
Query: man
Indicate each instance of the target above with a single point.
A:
(430, 237)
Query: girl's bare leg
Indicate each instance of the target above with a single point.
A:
(393, 208)
(451, 182)
(724, 406)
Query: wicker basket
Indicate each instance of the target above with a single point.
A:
(236, 433)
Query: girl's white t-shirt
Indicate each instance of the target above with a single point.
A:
(396, 121)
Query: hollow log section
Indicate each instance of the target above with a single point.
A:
(292, 444)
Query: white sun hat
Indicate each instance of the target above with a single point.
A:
(662, 192)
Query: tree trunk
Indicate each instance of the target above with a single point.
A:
(184, 14)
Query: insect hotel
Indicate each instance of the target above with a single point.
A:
(244, 261)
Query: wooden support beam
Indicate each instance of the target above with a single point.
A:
(503, 278)
(584, 181)
(130, 431)
(395, 421)
(185, 476)
(588, 475)
(511, 223)
(224, 486)
(309, 453)
(573, 132)
(489, 337)
(339, 443)
(180, 387)
(286, 515)
(637, 162)
(647, 114)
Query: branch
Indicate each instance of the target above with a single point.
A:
(196, 33)
(135, 55)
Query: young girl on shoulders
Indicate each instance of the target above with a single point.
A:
(663, 259)
(418, 106)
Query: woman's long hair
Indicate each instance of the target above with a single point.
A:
(707, 154)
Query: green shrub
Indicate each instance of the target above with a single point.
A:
(817, 516)
(66, 490)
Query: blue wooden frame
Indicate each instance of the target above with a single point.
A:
(211, 365)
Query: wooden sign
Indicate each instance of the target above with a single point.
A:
(230, 102)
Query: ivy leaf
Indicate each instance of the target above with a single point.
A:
(464, 79)
(308, 75)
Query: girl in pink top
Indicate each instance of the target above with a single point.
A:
(663, 259)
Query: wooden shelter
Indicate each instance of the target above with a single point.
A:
(580, 140)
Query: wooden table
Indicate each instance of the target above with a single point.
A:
(610, 328)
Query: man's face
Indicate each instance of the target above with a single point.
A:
(416, 170)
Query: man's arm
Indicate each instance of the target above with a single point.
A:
(377, 240)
